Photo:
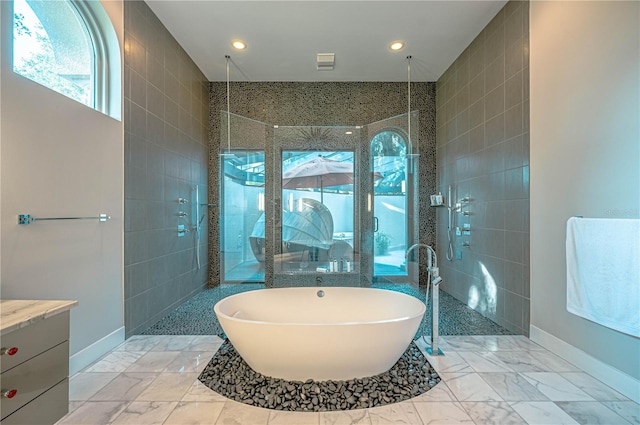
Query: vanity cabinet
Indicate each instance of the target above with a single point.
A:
(34, 361)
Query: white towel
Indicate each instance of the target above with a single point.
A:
(603, 272)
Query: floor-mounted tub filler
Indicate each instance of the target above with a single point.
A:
(433, 282)
(317, 333)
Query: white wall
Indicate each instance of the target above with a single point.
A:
(61, 158)
(585, 160)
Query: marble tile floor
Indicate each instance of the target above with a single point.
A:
(152, 379)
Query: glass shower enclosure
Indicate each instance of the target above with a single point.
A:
(317, 205)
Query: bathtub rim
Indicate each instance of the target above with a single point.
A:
(423, 309)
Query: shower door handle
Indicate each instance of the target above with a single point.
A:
(375, 224)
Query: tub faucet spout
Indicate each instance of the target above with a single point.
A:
(414, 246)
(431, 254)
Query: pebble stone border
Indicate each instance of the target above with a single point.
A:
(229, 375)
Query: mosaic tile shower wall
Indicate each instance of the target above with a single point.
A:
(166, 154)
(483, 154)
(322, 104)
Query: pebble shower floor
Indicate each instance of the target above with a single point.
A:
(196, 316)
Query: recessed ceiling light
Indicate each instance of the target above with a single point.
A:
(396, 45)
(348, 132)
(238, 44)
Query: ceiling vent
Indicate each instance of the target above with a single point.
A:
(326, 61)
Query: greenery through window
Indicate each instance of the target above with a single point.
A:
(389, 154)
(53, 47)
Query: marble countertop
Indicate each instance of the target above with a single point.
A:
(16, 314)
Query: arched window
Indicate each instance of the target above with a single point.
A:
(64, 46)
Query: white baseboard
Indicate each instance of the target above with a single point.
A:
(93, 352)
(616, 379)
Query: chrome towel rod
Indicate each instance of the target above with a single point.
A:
(26, 218)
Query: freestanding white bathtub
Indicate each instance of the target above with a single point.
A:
(320, 333)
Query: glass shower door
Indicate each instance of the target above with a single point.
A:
(394, 195)
(389, 158)
(316, 237)
(242, 220)
(244, 237)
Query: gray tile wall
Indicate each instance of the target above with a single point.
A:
(166, 155)
(483, 153)
(324, 104)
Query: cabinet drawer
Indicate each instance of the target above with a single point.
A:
(34, 377)
(44, 410)
(34, 339)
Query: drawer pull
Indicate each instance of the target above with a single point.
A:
(10, 351)
(8, 393)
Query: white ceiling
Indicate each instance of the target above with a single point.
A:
(283, 37)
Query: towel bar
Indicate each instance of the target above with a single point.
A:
(26, 218)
